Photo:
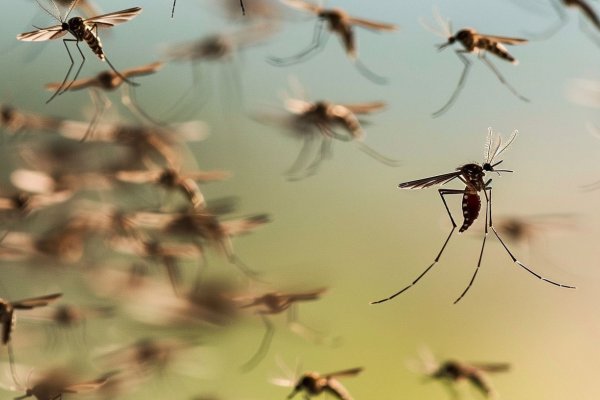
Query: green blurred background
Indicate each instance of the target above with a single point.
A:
(349, 227)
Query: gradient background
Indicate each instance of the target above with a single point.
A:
(349, 227)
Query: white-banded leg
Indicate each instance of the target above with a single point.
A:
(488, 219)
(459, 86)
(491, 66)
(317, 44)
(442, 192)
(519, 263)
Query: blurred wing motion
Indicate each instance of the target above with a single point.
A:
(372, 25)
(431, 181)
(114, 18)
(346, 372)
(365, 108)
(501, 39)
(34, 302)
(303, 5)
(492, 367)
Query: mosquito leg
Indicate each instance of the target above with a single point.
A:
(488, 218)
(585, 28)
(370, 75)
(11, 359)
(129, 99)
(317, 44)
(174, 273)
(301, 159)
(234, 259)
(324, 153)
(78, 69)
(263, 348)
(562, 20)
(520, 264)
(243, 8)
(64, 82)
(459, 86)
(442, 193)
(173, 9)
(501, 78)
(101, 104)
(377, 156)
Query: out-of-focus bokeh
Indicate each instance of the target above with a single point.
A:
(347, 227)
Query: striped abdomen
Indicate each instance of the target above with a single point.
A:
(93, 41)
(471, 204)
(496, 48)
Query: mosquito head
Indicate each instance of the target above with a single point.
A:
(492, 167)
(74, 24)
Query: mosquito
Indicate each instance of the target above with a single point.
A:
(8, 319)
(452, 372)
(472, 176)
(82, 30)
(325, 116)
(314, 383)
(241, 5)
(272, 303)
(16, 121)
(338, 22)
(53, 384)
(480, 44)
(107, 81)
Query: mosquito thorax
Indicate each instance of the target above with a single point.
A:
(168, 177)
(450, 370)
(334, 16)
(21, 200)
(8, 113)
(106, 79)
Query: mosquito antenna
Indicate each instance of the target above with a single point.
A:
(431, 29)
(445, 25)
(503, 147)
(57, 17)
(71, 7)
(488, 146)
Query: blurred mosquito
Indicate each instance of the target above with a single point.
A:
(472, 176)
(8, 319)
(340, 23)
(82, 30)
(107, 81)
(241, 5)
(173, 180)
(314, 383)
(583, 6)
(16, 121)
(53, 384)
(272, 303)
(88, 7)
(479, 44)
(325, 116)
(205, 228)
(452, 372)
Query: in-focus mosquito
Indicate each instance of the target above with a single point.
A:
(107, 81)
(480, 44)
(314, 383)
(472, 176)
(339, 22)
(241, 5)
(272, 303)
(316, 121)
(82, 30)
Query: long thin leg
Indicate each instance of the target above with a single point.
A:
(301, 159)
(519, 263)
(235, 260)
(459, 86)
(11, 359)
(64, 82)
(488, 218)
(377, 156)
(547, 33)
(591, 33)
(316, 45)
(173, 9)
(263, 348)
(442, 193)
(78, 69)
(101, 103)
(500, 77)
(369, 74)
(129, 99)
(243, 8)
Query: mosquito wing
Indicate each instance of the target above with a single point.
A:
(138, 176)
(142, 70)
(376, 26)
(308, 295)
(41, 35)
(85, 387)
(365, 108)
(75, 85)
(431, 181)
(337, 390)
(34, 302)
(303, 5)
(503, 39)
(346, 372)
(114, 18)
(492, 367)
